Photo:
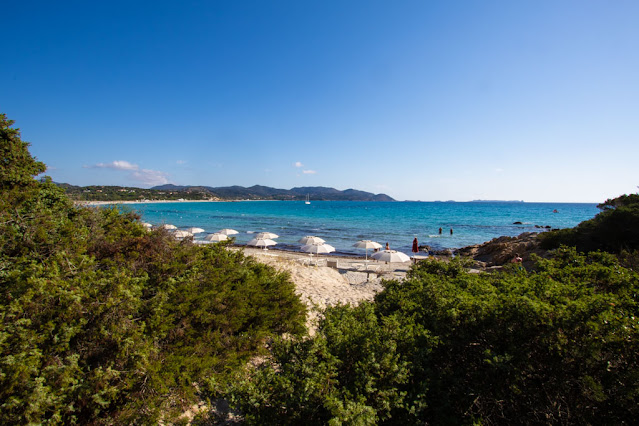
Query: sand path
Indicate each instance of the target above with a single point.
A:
(348, 281)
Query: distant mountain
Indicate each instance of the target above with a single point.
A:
(258, 192)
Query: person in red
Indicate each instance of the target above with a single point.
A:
(387, 247)
(415, 248)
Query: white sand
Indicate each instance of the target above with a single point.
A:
(322, 286)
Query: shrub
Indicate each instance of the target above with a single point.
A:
(104, 322)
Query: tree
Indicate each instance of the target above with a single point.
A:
(102, 321)
(614, 229)
(17, 166)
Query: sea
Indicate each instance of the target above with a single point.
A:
(343, 223)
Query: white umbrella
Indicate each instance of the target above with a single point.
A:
(367, 244)
(390, 256)
(318, 248)
(261, 242)
(217, 237)
(194, 230)
(266, 235)
(310, 240)
(168, 226)
(182, 234)
(227, 231)
(147, 225)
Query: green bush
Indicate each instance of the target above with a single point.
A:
(614, 229)
(558, 345)
(102, 321)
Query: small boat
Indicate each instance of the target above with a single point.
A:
(308, 200)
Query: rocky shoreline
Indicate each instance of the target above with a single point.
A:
(503, 250)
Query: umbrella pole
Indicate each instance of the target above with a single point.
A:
(366, 261)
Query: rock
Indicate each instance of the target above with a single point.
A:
(501, 251)
(517, 223)
(445, 252)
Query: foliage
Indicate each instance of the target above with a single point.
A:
(124, 193)
(17, 166)
(256, 192)
(614, 229)
(102, 321)
(352, 374)
(445, 346)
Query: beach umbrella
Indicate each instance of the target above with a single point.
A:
(168, 226)
(367, 244)
(182, 234)
(194, 230)
(227, 231)
(390, 256)
(147, 225)
(217, 237)
(266, 235)
(318, 248)
(310, 240)
(261, 242)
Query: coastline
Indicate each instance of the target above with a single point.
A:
(343, 223)
(106, 203)
(338, 278)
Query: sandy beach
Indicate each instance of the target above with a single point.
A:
(330, 280)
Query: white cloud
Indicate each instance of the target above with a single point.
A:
(180, 162)
(144, 176)
(150, 177)
(309, 172)
(117, 165)
(298, 164)
(499, 170)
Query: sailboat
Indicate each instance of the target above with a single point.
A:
(308, 200)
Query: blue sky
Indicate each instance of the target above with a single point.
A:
(422, 100)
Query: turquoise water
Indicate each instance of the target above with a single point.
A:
(342, 223)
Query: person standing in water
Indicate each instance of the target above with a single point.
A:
(440, 231)
(451, 231)
(387, 247)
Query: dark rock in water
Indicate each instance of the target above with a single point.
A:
(445, 252)
(538, 226)
(547, 226)
(517, 223)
